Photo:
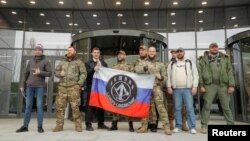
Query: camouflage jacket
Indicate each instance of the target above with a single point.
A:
(141, 66)
(123, 66)
(75, 72)
(226, 72)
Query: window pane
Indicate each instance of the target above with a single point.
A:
(181, 39)
(204, 38)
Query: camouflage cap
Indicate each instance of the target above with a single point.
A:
(143, 46)
(122, 52)
(213, 44)
(173, 50)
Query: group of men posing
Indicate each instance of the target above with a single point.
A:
(179, 78)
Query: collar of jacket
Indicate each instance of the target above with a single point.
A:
(206, 53)
(122, 62)
(67, 59)
(39, 58)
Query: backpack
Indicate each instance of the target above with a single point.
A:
(187, 60)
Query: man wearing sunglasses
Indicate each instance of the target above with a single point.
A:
(216, 80)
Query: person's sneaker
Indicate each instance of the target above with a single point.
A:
(102, 126)
(176, 130)
(204, 130)
(193, 131)
(40, 130)
(89, 128)
(22, 129)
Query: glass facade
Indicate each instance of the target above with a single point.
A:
(17, 43)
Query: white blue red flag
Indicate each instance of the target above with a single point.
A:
(122, 92)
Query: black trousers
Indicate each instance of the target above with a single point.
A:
(91, 111)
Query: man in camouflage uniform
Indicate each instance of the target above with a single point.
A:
(216, 79)
(72, 73)
(121, 65)
(139, 64)
(151, 66)
(170, 101)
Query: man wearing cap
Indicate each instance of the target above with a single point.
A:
(156, 68)
(216, 80)
(170, 101)
(34, 81)
(182, 82)
(72, 73)
(121, 65)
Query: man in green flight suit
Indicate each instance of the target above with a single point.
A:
(216, 80)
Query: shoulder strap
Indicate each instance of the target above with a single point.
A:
(172, 63)
(190, 62)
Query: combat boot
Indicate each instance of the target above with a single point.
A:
(131, 127)
(78, 124)
(204, 130)
(171, 123)
(58, 128)
(184, 119)
(167, 130)
(143, 129)
(153, 128)
(78, 129)
(113, 126)
(184, 125)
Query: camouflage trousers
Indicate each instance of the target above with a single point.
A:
(156, 102)
(171, 109)
(68, 94)
(116, 117)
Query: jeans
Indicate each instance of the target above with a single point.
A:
(38, 92)
(184, 95)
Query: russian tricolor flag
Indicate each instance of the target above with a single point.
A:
(122, 92)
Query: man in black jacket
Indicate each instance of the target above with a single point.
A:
(91, 66)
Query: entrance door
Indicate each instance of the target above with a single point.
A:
(50, 91)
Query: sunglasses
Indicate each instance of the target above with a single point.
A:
(179, 51)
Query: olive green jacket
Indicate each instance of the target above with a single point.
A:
(226, 72)
(75, 72)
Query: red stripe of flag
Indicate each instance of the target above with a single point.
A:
(137, 109)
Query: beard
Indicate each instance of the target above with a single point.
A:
(151, 58)
(143, 57)
(214, 53)
(70, 56)
(120, 60)
(180, 57)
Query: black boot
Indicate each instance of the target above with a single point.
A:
(150, 126)
(131, 127)
(153, 128)
(22, 129)
(114, 125)
(40, 130)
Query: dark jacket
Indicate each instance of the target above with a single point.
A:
(36, 80)
(90, 65)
